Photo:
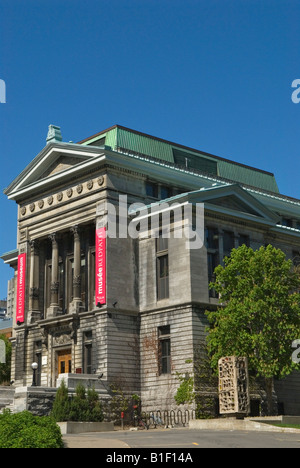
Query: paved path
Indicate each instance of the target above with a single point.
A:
(182, 438)
(93, 440)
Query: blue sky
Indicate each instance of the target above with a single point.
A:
(215, 75)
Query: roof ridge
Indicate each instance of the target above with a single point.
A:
(178, 145)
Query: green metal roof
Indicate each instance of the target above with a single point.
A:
(126, 140)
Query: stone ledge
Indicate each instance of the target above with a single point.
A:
(71, 427)
(233, 424)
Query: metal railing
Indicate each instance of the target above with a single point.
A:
(167, 418)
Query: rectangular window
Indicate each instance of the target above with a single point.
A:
(287, 222)
(212, 245)
(212, 262)
(164, 340)
(296, 258)
(70, 278)
(151, 190)
(165, 192)
(92, 278)
(212, 238)
(61, 278)
(48, 273)
(195, 161)
(83, 282)
(244, 240)
(162, 268)
(87, 352)
(38, 359)
(228, 243)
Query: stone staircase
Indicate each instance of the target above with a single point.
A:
(6, 398)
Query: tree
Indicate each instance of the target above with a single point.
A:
(6, 367)
(259, 313)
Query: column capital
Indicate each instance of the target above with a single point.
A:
(34, 246)
(53, 237)
(75, 230)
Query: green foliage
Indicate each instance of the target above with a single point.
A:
(205, 407)
(5, 368)
(185, 392)
(23, 430)
(83, 407)
(206, 384)
(259, 316)
(61, 406)
(135, 398)
(119, 402)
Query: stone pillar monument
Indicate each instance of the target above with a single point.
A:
(234, 386)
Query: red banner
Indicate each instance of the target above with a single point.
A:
(20, 316)
(100, 266)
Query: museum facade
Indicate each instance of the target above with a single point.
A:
(118, 237)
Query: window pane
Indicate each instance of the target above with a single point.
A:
(61, 286)
(151, 189)
(165, 330)
(161, 244)
(243, 240)
(228, 242)
(163, 266)
(83, 281)
(163, 277)
(165, 346)
(165, 192)
(88, 359)
(212, 238)
(212, 260)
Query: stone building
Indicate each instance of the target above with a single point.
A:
(129, 308)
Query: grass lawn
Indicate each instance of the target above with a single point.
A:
(293, 426)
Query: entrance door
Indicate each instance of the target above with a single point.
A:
(64, 361)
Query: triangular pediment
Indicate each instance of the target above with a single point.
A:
(234, 199)
(55, 162)
(230, 200)
(233, 203)
(62, 163)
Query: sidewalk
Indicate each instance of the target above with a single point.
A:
(92, 441)
(259, 424)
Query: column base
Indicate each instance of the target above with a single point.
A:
(54, 311)
(34, 316)
(76, 306)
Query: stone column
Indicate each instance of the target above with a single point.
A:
(76, 304)
(34, 312)
(236, 240)
(221, 246)
(77, 264)
(54, 275)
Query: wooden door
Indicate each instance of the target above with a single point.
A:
(64, 362)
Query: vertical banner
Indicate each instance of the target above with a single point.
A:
(20, 315)
(100, 266)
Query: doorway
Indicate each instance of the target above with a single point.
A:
(64, 361)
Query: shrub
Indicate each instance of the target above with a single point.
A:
(61, 406)
(23, 430)
(6, 368)
(83, 407)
